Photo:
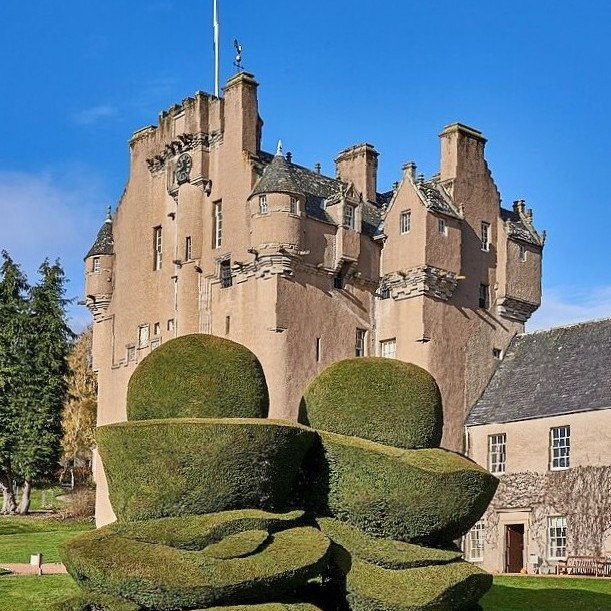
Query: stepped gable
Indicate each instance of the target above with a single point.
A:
(550, 373)
(435, 199)
(519, 230)
(282, 176)
(104, 243)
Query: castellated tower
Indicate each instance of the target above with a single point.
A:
(214, 235)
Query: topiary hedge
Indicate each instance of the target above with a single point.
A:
(198, 376)
(238, 545)
(384, 400)
(161, 577)
(267, 607)
(384, 552)
(158, 468)
(429, 495)
(94, 602)
(448, 587)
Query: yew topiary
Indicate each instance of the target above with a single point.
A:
(198, 376)
(383, 400)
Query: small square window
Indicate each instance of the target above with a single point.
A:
(484, 300)
(560, 447)
(385, 293)
(497, 453)
(497, 353)
(263, 209)
(360, 342)
(442, 226)
(96, 265)
(405, 221)
(155, 343)
(388, 348)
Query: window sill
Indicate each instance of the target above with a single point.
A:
(559, 468)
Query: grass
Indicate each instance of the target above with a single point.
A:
(547, 594)
(22, 536)
(33, 593)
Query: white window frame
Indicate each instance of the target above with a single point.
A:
(388, 348)
(131, 353)
(157, 329)
(294, 206)
(349, 215)
(97, 267)
(485, 235)
(155, 343)
(560, 448)
(171, 324)
(475, 542)
(157, 248)
(218, 224)
(143, 335)
(556, 538)
(263, 207)
(405, 222)
(442, 226)
(359, 344)
(497, 453)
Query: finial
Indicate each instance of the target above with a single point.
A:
(109, 214)
(317, 168)
(279, 148)
(238, 58)
(289, 157)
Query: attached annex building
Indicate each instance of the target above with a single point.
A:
(545, 414)
(215, 235)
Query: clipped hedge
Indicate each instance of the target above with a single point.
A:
(158, 468)
(162, 577)
(267, 607)
(198, 532)
(198, 376)
(94, 602)
(383, 400)
(448, 587)
(239, 545)
(427, 496)
(384, 552)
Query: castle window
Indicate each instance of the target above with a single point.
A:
(475, 542)
(560, 447)
(522, 252)
(442, 227)
(497, 453)
(294, 206)
(485, 236)
(405, 221)
(384, 293)
(349, 216)
(156, 329)
(218, 224)
(188, 248)
(388, 348)
(263, 209)
(225, 274)
(171, 324)
(157, 248)
(96, 265)
(318, 349)
(227, 324)
(155, 343)
(131, 354)
(360, 342)
(556, 538)
(338, 281)
(497, 353)
(483, 296)
(143, 335)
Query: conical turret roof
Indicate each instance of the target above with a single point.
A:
(104, 243)
(278, 177)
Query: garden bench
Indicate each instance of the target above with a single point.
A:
(585, 565)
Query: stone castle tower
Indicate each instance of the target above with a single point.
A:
(214, 235)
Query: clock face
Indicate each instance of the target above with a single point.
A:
(183, 168)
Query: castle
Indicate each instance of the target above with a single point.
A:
(214, 235)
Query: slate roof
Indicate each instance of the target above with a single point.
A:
(283, 176)
(518, 230)
(435, 200)
(550, 373)
(104, 243)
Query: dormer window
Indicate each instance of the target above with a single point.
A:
(293, 206)
(349, 216)
(263, 209)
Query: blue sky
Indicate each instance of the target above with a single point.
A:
(77, 78)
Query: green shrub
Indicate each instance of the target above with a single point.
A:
(266, 607)
(161, 577)
(198, 376)
(158, 468)
(198, 532)
(239, 545)
(428, 496)
(448, 587)
(383, 400)
(384, 552)
(94, 602)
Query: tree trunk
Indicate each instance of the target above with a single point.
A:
(24, 505)
(9, 504)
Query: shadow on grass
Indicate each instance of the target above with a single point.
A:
(503, 598)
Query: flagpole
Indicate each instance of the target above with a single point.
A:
(215, 30)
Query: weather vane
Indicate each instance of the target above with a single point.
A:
(238, 58)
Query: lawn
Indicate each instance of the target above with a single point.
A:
(548, 594)
(22, 536)
(33, 593)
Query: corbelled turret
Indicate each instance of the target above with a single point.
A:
(99, 264)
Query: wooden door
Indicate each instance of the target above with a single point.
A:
(514, 548)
